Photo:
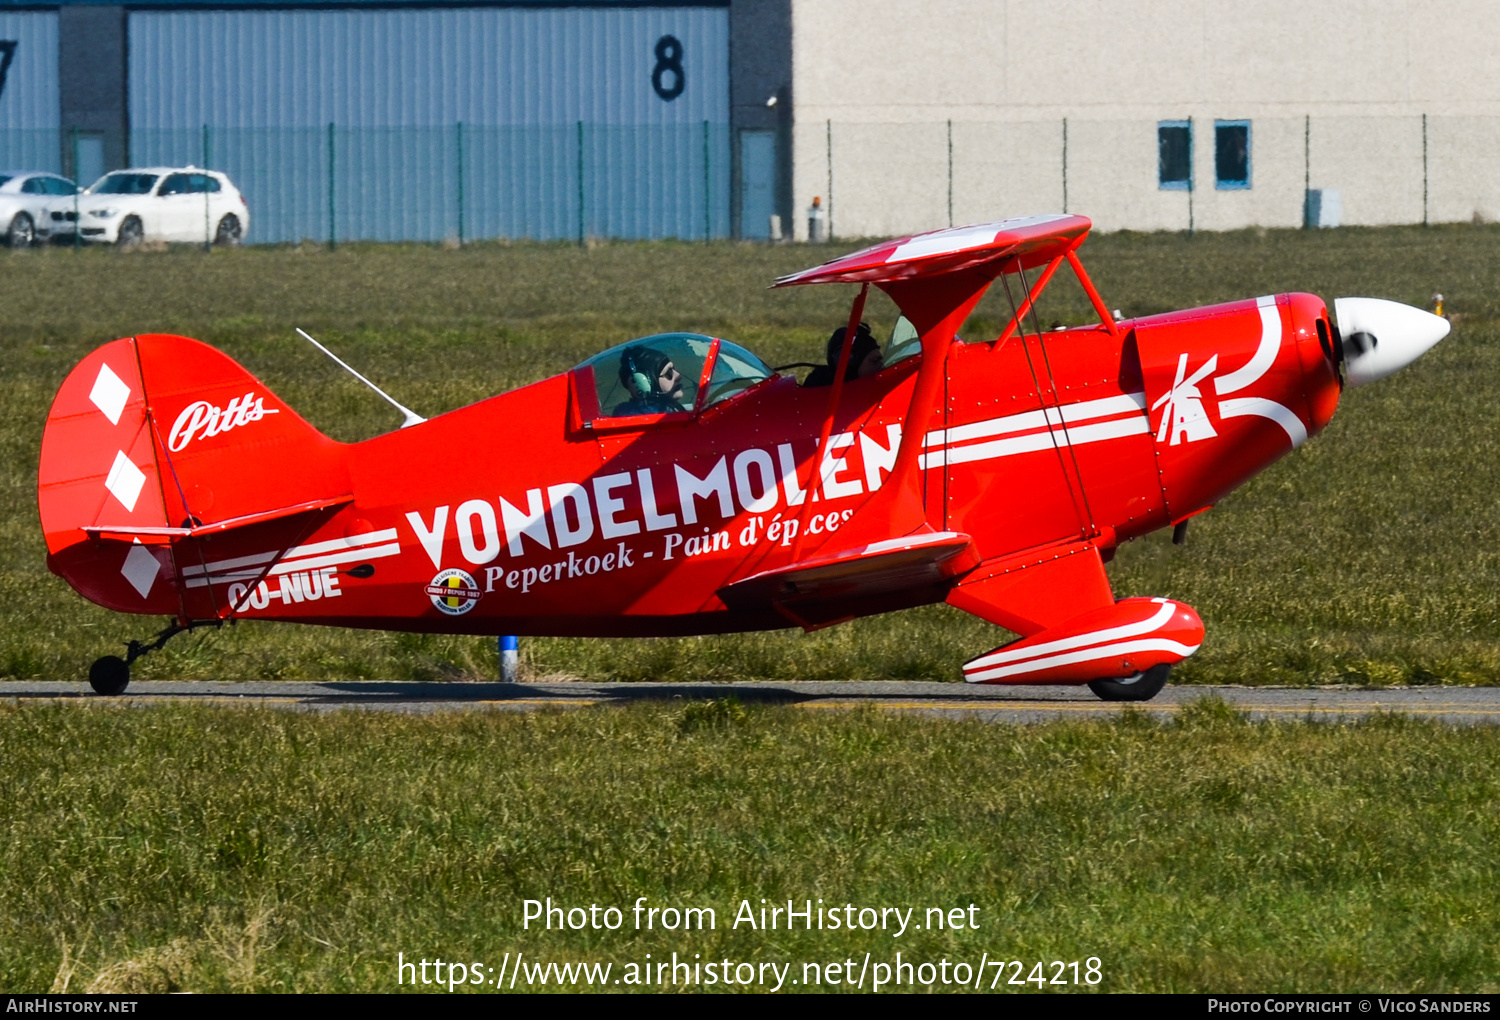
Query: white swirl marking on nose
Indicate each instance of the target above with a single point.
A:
(1263, 408)
(1265, 354)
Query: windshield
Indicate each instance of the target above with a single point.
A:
(904, 343)
(735, 371)
(125, 184)
(653, 375)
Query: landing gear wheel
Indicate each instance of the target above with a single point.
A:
(1141, 687)
(109, 675)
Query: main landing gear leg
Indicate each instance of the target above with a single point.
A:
(110, 674)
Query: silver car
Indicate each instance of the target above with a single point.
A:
(28, 201)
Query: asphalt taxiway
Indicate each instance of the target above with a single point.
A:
(1455, 705)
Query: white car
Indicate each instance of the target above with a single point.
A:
(28, 201)
(127, 207)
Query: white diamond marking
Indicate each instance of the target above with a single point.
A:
(125, 481)
(141, 568)
(109, 394)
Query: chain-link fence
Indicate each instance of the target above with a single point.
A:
(450, 183)
(888, 179)
(575, 181)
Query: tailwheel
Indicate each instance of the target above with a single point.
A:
(1141, 687)
(109, 675)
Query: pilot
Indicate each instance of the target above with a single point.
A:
(865, 359)
(653, 382)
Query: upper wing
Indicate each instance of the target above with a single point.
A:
(1036, 239)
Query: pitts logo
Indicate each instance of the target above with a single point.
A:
(201, 419)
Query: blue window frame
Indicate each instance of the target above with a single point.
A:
(1232, 155)
(1174, 155)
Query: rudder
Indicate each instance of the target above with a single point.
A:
(157, 446)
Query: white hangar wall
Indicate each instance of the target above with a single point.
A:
(1334, 95)
(438, 122)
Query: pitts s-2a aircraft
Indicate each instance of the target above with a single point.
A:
(677, 485)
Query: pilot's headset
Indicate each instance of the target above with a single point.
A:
(633, 373)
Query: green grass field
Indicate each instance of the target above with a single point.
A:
(1369, 556)
(216, 849)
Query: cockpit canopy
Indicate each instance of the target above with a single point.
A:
(669, 374)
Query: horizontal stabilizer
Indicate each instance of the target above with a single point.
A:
(880, 568)
(146, 532)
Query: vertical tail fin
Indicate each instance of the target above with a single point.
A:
(158, 447)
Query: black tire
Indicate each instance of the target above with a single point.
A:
(228, 235)
(109, 676)
(131, 234)
(1141, 687)
(21, 233)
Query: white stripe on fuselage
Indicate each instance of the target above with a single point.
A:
(1066, 423)
(373, 545)
(312, 549)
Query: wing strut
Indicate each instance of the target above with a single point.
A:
(1105, 316)
(1029, 303)
(814, 477)
(936, 279)
(1049, 398)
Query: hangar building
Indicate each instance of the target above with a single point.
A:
(534, 118)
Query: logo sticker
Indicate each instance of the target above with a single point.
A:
(454, 591)
(1184, 415)
(201, 419)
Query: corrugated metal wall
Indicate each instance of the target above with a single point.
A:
(29, 106)
(423, 67)
(564, 129)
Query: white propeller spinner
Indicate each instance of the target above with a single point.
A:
(1381, 337)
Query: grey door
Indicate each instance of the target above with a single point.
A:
(757, 183)
(88, 158)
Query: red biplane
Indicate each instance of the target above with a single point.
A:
(677, 485)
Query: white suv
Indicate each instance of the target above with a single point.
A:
(29, 204)
(127, 207)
